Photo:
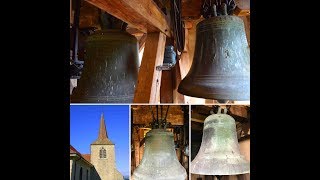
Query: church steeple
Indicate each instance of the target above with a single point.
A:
(102, 131)
(103, 135)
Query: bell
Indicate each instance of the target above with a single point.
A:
(221, 65)
(219, 153)
(159, 161)
(169, 56)
(110, 70)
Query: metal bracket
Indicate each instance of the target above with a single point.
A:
(165, 67)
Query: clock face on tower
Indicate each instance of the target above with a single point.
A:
(102, 153)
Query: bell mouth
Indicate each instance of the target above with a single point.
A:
(211, 89)
(218, 166)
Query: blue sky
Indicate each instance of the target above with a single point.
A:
(84, 129)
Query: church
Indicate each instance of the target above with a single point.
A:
(100, 164)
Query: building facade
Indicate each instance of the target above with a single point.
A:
(100, 164)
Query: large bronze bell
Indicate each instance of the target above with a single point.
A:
(111, 68)
(159, 161)
(221, 65)
(219, 153)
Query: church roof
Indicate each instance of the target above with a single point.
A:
(74, 151)
(103, 135)
(83, 156)
(87, 157)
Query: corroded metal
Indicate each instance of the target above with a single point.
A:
(169, 55)
(219, 153)
(221, 66)
(159, 160)
(111, 68)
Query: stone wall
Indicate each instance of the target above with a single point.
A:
(105, 167)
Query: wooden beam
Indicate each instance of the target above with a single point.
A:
(166, 89)
(197, 120)
(149, 79)
(243, 8)
(141, 148)
(239, 111)
(135, 32)
(142, 42)
(190, 9)
(188, 24)
(144, 15)
(143, 115)
(135, 136)
(198, 117)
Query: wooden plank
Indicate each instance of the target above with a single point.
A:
(166, 89)
(149, 79)
(145, 15)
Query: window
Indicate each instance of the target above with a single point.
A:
(80, 176)
(103, 153)
(87, 174)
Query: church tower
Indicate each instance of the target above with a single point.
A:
(103, 154)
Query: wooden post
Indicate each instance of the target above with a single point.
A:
(149, 79)
(166, 89)
(141, 136)
(136, 147)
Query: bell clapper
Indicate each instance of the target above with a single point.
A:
(219, 177)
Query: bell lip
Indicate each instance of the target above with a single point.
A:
(178, 176)
(224, 174)
(214, 172)
(188, 85)
(217, 96)
(120, 99)
(134, 176)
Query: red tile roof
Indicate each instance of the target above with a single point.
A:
(87, 157)
(74, 151)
